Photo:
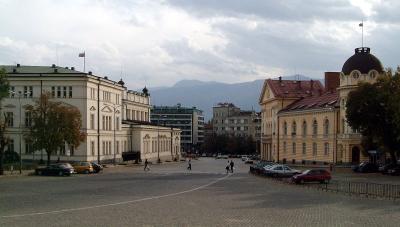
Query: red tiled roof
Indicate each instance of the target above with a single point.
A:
(294, 88)
(328, 99)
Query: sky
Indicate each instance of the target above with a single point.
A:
(160, 42)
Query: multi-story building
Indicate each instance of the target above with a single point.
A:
(303, 121)
(114, 119)
(229, 119)
(189, 120)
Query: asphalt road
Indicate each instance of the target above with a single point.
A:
(170, 195)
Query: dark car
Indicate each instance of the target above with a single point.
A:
(312, 175)
(96, 167)
(384, 169)
(395, 171)
(60, 169)
(365, 167)
(258, 167)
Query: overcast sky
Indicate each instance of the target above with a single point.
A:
(159, 42)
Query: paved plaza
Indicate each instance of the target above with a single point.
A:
(170, 195)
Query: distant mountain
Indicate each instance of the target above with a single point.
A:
(206, 94)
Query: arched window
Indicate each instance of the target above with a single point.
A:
(294, 128)
(285, 128)
(326, 127)
(304, 128)
(315, 128)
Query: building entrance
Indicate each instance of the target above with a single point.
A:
(355, 155)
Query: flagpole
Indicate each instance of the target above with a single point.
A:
(84, 61)
(362, 34)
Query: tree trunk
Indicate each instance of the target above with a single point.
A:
(1, 162)
(48, 157)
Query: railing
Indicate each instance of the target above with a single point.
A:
(366, 189)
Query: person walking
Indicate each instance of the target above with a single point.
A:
(231, 164)
(227, 168)
(146, 165)
(189, 165)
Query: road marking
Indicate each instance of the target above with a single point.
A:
(119, 203)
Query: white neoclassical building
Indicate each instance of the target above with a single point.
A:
(115, 119)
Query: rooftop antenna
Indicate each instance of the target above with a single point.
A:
(362, 32)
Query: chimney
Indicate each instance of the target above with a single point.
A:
(56, 70)
(332, 81)
(280, 79)
(18, 65)
(90, 73)
(106, 77)
(53, 65)
(72, 68)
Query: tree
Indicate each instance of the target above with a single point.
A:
(53, 125)
(4, 89)
(374, 111)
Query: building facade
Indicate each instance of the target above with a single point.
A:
(230, 120)
(189, 120)
(112, 115)
(305, 122)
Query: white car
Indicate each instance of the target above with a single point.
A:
(281, 171)
(244, 157)
(248, 161)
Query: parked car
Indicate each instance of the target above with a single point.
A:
(244, 157)
(259, 166)
(395, 171)
(96, 167)
(83, 167)
(365, 167)
(384, 169)
(265, 169)
(60, 169)
(281, 171)
(248, 161)
(312, 175)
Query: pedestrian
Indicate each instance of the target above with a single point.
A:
(231, 165)
(189, 165)
(146, 165)
(227, 168)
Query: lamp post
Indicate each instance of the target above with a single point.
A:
(115, 124)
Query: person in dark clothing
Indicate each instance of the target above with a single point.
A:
(146, 165)
(231, 164)
(227, 169)
(189, 165)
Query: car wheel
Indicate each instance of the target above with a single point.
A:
(60, 173)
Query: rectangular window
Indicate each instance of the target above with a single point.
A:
(10, 146)
(91, 121)
(109, 123)
(28, 148)
(10, 119)
(58, 92)
(104, 122)
(28, 119)
(315, 149)
(326, 148)
(92, 148)
(28, 91)
(293, 148)
(64, 92)
(70, 92)
(117, 123)
(109, 147)
(117, 147)
(304, 148)
(53, 92)
(104, 148)
(117, 98)
(284, 147)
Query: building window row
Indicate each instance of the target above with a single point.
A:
(61, 92)
(304, 148)
(304, 128)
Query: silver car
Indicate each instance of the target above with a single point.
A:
(280, 171)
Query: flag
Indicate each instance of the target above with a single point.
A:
(82, 55)
(361, 24)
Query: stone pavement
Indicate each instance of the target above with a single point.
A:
(169, 195)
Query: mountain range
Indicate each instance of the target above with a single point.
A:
(205, 94)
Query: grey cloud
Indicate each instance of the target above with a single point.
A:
(295, 10)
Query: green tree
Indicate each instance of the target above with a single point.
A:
(4, 89)
(374, 111)
(54, 124)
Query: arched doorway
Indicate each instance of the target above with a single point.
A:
(355, 155)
